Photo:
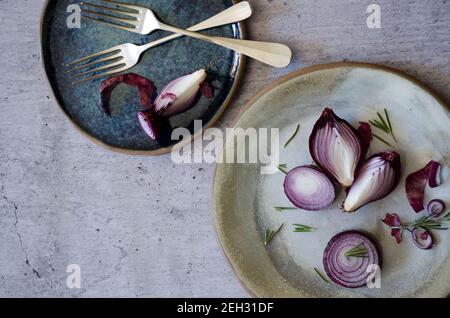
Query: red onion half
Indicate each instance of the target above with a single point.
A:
(309, 188)
(378, 177)
(423, 238)
(349, 272)
(335, 147)
(416, 182)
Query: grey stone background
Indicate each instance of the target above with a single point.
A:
(142, 226)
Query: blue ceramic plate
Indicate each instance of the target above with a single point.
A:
(162, 64)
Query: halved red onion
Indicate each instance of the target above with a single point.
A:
(416, 182)
(423, 238)
(180, 94)
(335, 147)
(309, 188)
(349, 272)
(378, 177)
(435, 207)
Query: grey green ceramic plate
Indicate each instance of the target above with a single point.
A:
(162, 64)
(244, 199)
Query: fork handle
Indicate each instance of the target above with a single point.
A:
(274, 54)
(233, 14)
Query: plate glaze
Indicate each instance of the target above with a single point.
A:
(244, 199)
(161, 64)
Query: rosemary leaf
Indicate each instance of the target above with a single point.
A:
(446, 218)
(389, 123)
(358, 251)
(283, 208)
(303, 228)
(384, 124)
(282, 168)
(376, 124)
(292, 137)
(321, 276)
(381, 139)
(271, 234)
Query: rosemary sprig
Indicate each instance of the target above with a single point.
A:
(446, 218)
(284, 208)
(358, 251)
(303, 228)
(427, 222)
(282, 167)
(321, 276)
(385, 125)
(271, 234)
(381, 139)
(292, 137)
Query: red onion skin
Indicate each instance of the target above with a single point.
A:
(207, 90)
(145, 87)
(392, 159)
(418, 235)
(393, 221)
(336, 271)
(302, 204)
(416, 182)
(434, 178)
(329, 118)
(364, 132)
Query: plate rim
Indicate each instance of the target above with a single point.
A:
(162, 150)
(298, 73)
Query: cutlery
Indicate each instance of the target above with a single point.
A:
(122, 57)
(144, 21)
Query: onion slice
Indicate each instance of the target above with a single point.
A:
(378, 177)
(422, 238)
(436, 207)
(335, 147)
(349, 271)
(416, 182)
(309, 188)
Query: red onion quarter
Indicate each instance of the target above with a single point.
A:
(309, 188)
(377, 178)
(349, 271)
(335, 147)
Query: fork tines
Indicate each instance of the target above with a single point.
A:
(126, 19)
(97, 65)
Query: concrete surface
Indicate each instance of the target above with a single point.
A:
(140, 226)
